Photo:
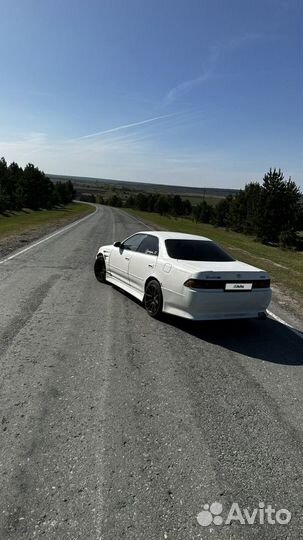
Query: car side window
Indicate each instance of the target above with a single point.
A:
(149, 246)
(133, 242)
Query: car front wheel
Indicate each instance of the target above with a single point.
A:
(100, 269)
(153, 300)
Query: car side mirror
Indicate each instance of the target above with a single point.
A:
(117, 244)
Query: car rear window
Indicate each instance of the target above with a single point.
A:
(196, 250)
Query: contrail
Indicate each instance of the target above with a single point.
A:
(126, 126)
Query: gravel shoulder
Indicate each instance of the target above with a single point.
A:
(13, 241)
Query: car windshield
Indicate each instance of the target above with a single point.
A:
(196, 250)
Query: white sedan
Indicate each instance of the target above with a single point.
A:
(185, 275)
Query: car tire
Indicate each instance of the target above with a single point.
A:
(100, 269)
(153, 299)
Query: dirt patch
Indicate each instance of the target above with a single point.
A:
(289, 304)
(260, 258)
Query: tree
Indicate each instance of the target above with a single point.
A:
(30, 187)
(151, 202)
(177, 206)
(287, 239)
(115, 200)
(162, 205)
(203, 212)
(252, 193)
(38, 189)
(130, 202)
(221, 213)
(187, 207)
(88, 197)
(4, 200)
(279, 208)
(99, 199)
(142, 202)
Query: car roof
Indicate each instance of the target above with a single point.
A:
(173, 235)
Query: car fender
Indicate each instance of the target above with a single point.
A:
(105, 252)
(174, 279)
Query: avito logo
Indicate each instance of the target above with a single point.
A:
(211, 513)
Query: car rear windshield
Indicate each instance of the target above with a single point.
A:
(196, 250)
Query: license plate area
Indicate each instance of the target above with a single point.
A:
(238, 287)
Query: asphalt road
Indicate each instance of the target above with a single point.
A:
(116, 426)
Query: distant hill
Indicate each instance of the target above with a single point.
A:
(96, 184)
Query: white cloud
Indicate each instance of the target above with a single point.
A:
(24, 149)
(130, 157)
(110, 156)
(126, 126)
(207, 73)
(186, 86)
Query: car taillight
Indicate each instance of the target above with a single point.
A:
(205, 284)
(220, 284)
(194, 284)
(261, 284)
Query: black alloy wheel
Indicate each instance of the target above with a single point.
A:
(153, 300)
(100, 269)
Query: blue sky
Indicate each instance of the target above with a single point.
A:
(191, 92)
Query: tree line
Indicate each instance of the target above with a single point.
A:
(30, 188)
(271, 211)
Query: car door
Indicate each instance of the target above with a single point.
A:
(143, 262)
(120, 257)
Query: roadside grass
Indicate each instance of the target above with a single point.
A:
(284, 266)
(29, 220)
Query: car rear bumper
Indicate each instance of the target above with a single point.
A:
(216, 305)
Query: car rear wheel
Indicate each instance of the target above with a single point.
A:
(100, 269)
(153, 300)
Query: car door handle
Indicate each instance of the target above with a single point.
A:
(151, 265)
(127, 258)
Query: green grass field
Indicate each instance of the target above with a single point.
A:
(20, 222)
(284, 266)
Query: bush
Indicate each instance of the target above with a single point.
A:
(287, 239)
